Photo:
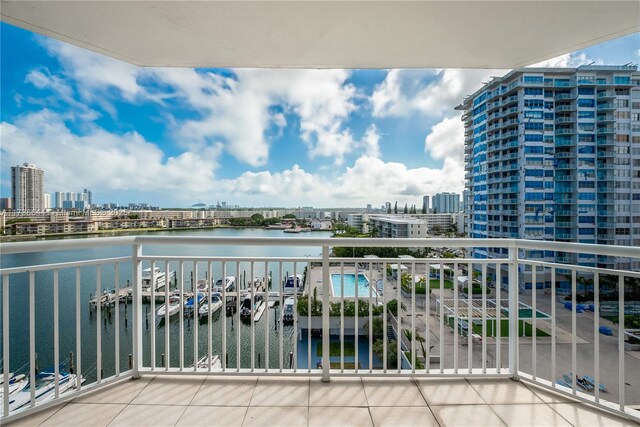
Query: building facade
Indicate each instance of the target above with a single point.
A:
(446, 203)
(554, 154)
(27, 187)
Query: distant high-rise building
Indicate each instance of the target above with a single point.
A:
(58, 199)
(47, 201)
(425, 204)
(552, 154)
(70, 197)
(88, 196)
(27, 187)
(446, 203)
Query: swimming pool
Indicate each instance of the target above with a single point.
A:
(349, 286)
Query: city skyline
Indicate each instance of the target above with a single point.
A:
(176, 137)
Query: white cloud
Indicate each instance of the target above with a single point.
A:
(446, 140)
(370, 141)
(103, 161)
(572, 59)
(427, 92)
(234, 110)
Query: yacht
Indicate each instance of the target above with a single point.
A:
(215, 302)
(193, 303)
(293, 284)
(174, 307)
(16, 384)
(229, 284)
(160, 278)
(45, 389)
(287, 311)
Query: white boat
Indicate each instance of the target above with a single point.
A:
(287, 310)
(174, 307)
(160, 278)
(214, 302)
(215, 362)
(45, 390)
(193, 303)
(293, 285)
(16, 384)
(229, 284)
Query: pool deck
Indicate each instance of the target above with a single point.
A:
(372, 276)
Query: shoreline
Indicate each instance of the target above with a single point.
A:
(118, 232)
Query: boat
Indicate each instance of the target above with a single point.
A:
(229, 284)
(246, 308)
(16, 384)
(203, 363)
(174, 307)
(214, 302)
(293, 285)
(189, 304)
(592, 382)
(287, 311)
(160, 278)
(45, 390)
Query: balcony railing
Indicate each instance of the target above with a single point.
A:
(331, 316)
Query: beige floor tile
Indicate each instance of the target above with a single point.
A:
(502, 392)
(123, 392)
(85, 414)
(580, 414)
(225, 391)
(35, 419)
(392, 392)
(449, 392)
(338, 392)
(467, 415)
(402, 416)
(170, 390)
(549, 396)
(148, 415)
(339, 416)
(223, 416)
(273, 391)
(276, 416)
(529, 415)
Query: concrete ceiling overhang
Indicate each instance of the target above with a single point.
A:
(328, 34)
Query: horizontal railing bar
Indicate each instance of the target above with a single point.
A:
(228, 259)
(574, 267)
(57, 245)
(422, 260)
(272, 372)
(59, 266)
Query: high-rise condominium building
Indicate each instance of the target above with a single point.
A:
(425, 204)
(554, 154)
(27, 187)
(446, 203)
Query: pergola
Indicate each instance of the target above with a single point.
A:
(525, 312)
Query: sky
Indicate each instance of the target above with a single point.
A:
(174, 137)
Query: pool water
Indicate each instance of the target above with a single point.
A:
(350, 286)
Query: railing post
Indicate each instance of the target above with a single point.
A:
(513, 310)
(137, 309)
(326, 365)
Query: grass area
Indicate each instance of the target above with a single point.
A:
(347, 365)
(523, 326)
(334, 349)
(435, 284)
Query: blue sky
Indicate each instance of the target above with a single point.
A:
(253, 137)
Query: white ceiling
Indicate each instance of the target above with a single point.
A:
(328, 34)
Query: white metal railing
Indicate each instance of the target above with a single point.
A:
(481, 329)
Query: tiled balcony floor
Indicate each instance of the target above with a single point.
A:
(287, 401)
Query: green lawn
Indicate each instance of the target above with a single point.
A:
(347, 365)
(435, 284)
(334, 349)
(504, 328)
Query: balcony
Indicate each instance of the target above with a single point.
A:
(266, 368)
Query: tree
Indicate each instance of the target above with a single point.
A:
(406, 210)
(395, 208)
(289, 216)
(424, 209)
(392, 354)
(436, 229)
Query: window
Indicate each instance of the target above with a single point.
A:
(533, 91)
(532, 79)
(535, 137)
(533, 114)
(586, 114)
(586, 103)
(585, 91)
